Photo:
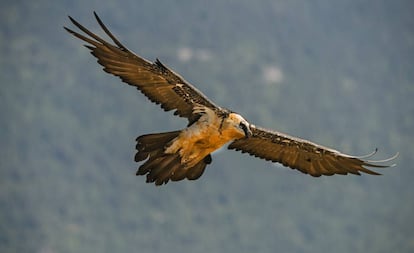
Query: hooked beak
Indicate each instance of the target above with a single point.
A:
(247, 132)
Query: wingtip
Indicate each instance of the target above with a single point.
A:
(72, 19)
(368, 155)
(76, 23)
(396, 155)
(69, 30)
(96, 16)
(392, 158)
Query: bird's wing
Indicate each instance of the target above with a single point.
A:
(303, 155)
(156, 81)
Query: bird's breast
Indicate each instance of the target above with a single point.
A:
(199, 140)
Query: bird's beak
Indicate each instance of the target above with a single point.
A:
(247, 132)
(246, 129)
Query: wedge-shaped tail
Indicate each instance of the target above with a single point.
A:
(161, 167)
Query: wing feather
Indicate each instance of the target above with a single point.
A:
(156, 81)
(305, 156)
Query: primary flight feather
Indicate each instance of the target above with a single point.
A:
(185, 153)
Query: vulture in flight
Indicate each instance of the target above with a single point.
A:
(185, 153)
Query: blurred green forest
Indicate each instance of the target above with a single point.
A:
(339, 73)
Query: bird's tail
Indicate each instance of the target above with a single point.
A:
(161, 167)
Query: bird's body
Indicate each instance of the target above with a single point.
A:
(189, 148)
(186, 153)
(206, 135)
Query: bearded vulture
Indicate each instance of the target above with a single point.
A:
(185, 153)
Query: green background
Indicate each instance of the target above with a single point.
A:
(339, 73)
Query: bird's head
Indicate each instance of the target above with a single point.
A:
(239, 125)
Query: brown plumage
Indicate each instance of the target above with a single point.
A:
(305, 156)
(161, 167)
(186, 153)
